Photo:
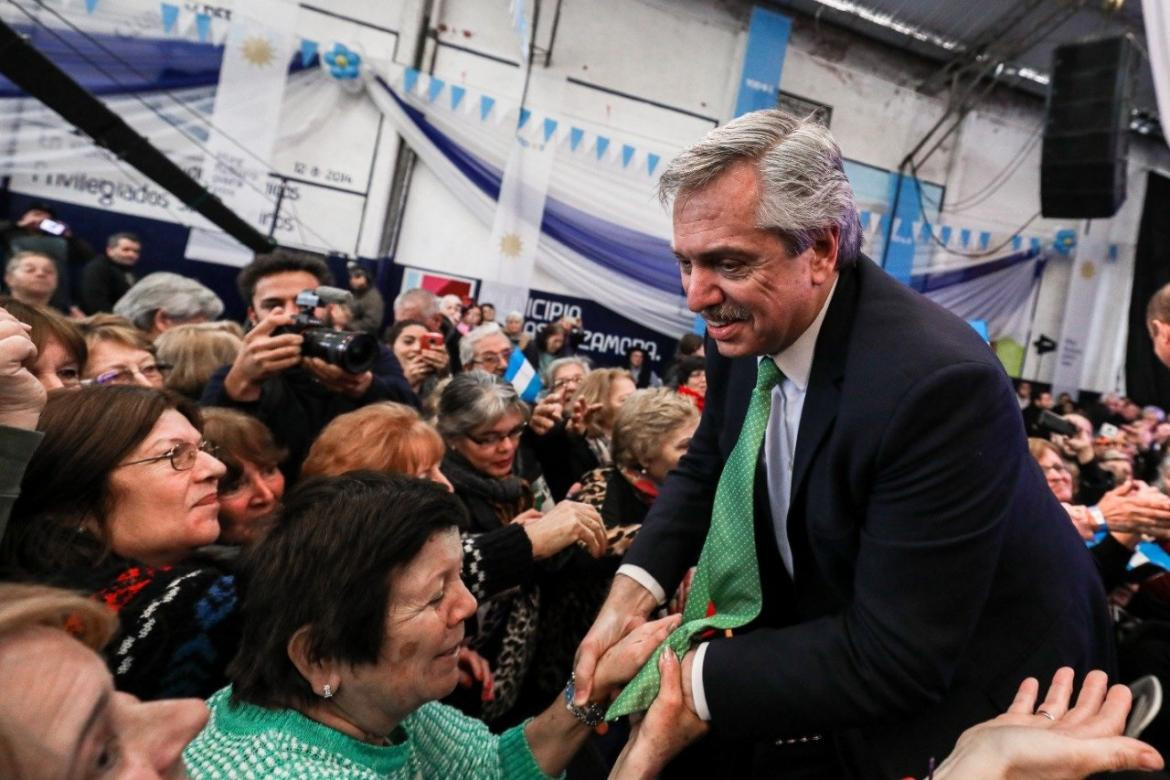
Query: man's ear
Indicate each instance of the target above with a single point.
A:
(162, 320)
(317, 672)
(824, 254)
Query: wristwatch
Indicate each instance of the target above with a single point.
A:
(592, 714)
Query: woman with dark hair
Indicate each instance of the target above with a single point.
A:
(346, 649)
(116, 500)
(481, 419)
(250, 491)
(639, 368)
(422, 364)
(546, 347)
(61, 351)
(690, 379)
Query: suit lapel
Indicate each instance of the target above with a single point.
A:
(828, 370)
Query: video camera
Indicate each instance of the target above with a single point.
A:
(354, 352)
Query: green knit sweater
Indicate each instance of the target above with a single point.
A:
(245, 741)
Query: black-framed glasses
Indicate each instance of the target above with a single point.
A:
(182, 456)
(491, 439)
(124, 375)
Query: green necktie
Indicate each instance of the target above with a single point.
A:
(725, 592)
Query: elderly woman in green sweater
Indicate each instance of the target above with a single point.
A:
(353, 618)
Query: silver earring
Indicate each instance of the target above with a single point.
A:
(327, 691)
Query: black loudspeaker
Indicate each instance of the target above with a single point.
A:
(1086, 130)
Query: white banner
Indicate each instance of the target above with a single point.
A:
(1082, 308)
(246, 121)
(1156, 19)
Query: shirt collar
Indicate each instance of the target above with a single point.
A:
(795, 361)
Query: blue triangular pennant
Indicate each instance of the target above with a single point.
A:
(984, 239)
(524, 116)
(410, 79)
(944, 234)
(457, 93)
(90, 6)
(627, 155)
(602, 145)
(1035, 243)
(203, 27)
(485, 106)
(550, 127)
(651, 162)
(170, 16)
(925, 233)
(575, 136)
(436, 86)
(308, 53)
(1017, 242)
(1112, 253)
(964, 237)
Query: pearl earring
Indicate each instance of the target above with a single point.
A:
(327, 691)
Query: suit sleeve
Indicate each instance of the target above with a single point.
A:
(945, 476)
(673, 532)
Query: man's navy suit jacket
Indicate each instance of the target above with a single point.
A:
(934, 569)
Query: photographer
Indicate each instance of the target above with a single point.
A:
(1093, 481)
(294, 395)
(37, 230)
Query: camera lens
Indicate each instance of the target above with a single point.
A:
(354, 352)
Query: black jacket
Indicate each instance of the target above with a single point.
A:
(934, 569)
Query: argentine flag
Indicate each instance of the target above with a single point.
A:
(523, 377)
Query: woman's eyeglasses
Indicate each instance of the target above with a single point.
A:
(182, 455)
(124, 375)
(492, 438)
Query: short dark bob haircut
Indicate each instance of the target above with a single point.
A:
(327, 565)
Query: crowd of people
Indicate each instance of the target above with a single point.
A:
(343, 529)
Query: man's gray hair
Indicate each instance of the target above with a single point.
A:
(178, 297)
(424, 300)
(473, 400)
(473, 337)
(803, 187)
(19, 257)
(514, 315)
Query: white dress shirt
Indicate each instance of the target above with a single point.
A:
(795, 362)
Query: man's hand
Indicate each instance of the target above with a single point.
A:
(624, 609)
(339, 380)
(1134, 508)
(263, 356)
(626, 658)
(1082, 520)
(22, 396)
(669, 726)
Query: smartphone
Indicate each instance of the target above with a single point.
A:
(1050, 421)
(53, 227)
(431, 341)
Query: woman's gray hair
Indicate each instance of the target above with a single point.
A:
(475, 399)
(177, 296)
(550, 371)
(803, 187)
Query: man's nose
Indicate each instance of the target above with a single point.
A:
(702, 288)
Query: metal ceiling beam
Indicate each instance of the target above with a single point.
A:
(34, 73)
